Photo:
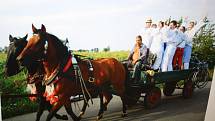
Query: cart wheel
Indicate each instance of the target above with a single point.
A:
(188, 89)
(169, 88)
(152, 98)
(132, 96)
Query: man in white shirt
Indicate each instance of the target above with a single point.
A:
(171, 37)
(165, 29)
(146, 33)
(157, 46)
(191, 31)
(177, 59)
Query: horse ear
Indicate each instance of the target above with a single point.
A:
(25, 37)
(10, 38)
(34, 29)
(43, 28)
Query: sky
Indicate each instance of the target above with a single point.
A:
(94, 23)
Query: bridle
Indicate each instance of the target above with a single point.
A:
(44, 42)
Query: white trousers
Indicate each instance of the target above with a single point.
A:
(186, 65)
(167, 58)
(158, 60)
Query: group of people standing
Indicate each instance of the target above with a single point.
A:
(169, 41)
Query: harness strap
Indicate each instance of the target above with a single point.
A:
(90, 68)
(57, 74)
(83, 86)
(68, 64)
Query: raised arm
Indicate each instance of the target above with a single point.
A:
(197, 27)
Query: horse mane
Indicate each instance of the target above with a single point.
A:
(62, 50)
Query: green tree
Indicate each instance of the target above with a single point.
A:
(204, 43)
(107, 49)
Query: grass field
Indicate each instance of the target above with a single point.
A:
(120, 55)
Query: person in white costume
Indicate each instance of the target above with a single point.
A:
(164, 30)
(191, 31)
(157, 46)
(172, 37)
(178, 57)
(146, 33)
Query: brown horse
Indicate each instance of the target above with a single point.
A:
(34, 68)
(52, 52)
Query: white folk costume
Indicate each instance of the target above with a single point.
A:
(157, 47)
(172, 39)
(178, 57)
(188, 46)
(146, 36)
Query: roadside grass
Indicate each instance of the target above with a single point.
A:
(14, 85)
(119, 55)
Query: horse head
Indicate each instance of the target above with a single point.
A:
(12, 67)
(15, 48)
(35, 46)
(44, 47)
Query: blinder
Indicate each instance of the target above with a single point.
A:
(45, 47)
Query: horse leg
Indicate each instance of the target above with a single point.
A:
(54, 109)
(101, 110)
(108, 96)
(122, 95)
(49, 107)
(84, 107)
(69, 110)
(40, 109)
(95, 93)
(124, 108)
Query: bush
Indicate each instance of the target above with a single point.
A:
(14, 85)
(204, 43)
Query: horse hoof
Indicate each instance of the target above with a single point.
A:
(65, 117)
(99, 117)
(81, 114)
(78, 119)
(124, 114)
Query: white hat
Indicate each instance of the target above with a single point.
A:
(149, 20)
